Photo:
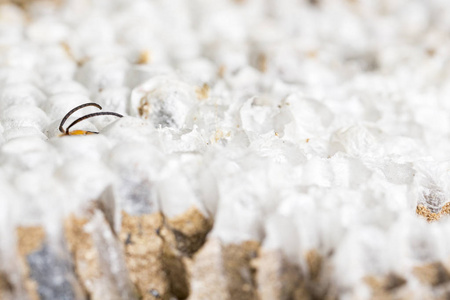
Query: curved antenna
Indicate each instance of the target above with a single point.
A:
(106, 113)
(74, 110)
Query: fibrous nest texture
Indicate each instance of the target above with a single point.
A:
(253, 149)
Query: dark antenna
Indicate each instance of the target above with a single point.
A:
(72, 111)
(106, 113)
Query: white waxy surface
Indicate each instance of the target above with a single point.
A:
(305, 127)
(18, 116)
(20, 94)
(163, 100)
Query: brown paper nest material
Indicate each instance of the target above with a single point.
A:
(85, 256)
(277, 278)
(434, 278)
(29, 239)
(32, 240)
(432, 274)
(387, 287)
(86, 241)
(190, 230)
(143, 253)
(423, 211)
(221, 271)
(169, 259)
(25, 3)
(6, 287)
(154, 248)
(156, 269)
(245, 271)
